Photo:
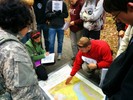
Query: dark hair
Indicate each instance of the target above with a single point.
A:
(115, 5)
(14, 16)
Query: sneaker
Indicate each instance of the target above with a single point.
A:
(59, 57)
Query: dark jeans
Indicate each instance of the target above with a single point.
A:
(45, 29)
(91, 34)
(60, 37)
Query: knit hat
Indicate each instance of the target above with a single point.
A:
(35, 34)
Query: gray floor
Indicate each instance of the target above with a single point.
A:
(66, 58)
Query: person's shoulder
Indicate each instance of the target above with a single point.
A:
(103, 42)
(9, 44)
(12, 48)
(6, 39)
(28, 42)
(99, 42)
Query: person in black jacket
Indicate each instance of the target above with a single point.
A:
(118, 82)
(42, 26)
(56, 22)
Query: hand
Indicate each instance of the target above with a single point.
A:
(102, 27)
(71, 23)
(58, 12)
(46, 54)
(92, 66)
(53, 14)
(121, 33)
(68, 80)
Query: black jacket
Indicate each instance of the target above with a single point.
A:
(118, 83)
(56, 19)
(39, 9)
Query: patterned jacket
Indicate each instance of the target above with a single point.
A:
(17, 70)
(92, 13)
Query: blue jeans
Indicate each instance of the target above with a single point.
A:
(44, 27)
(60, 37)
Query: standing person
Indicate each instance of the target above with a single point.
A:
(125, 40)
(42, 24)
(36, 52)
(56, 22)
(96, 53)
(33, 25)
(76, 25)
(92, 13)
(17, 76)
(118, 81)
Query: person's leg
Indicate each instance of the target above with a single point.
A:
(86, 33)
(74, 39)
(52, 34)
(93, 74)
(86, 69)
(60, 37)
(45, 34)
(79, 34)
(44, 28)
(73, 43)
(41, 72)
(94, 34)
(103, 74)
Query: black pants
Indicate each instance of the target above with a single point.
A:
(41, 72)
(91, 34)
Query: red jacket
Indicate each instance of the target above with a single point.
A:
(100, 51)
(74, 16)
